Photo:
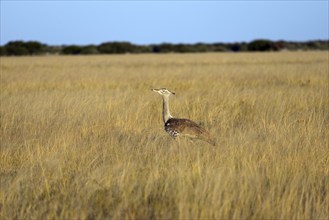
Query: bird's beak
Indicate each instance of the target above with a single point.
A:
(173, 93)
(155, 90)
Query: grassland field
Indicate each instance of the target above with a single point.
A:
(82, 137)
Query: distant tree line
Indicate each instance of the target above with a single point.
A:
(22, 48)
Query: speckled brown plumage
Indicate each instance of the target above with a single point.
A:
(185, 127)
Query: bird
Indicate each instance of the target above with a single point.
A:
(176, 127)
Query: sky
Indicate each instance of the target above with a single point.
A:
(59, 22)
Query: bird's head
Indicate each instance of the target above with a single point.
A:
(163, 91)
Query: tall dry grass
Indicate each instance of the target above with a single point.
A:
(82, 137)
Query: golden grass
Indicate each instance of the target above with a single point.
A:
(82, 137)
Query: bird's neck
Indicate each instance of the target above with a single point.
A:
(165, 109)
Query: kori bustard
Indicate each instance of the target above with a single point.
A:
(180, 126)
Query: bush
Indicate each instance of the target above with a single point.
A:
(34, 47)
(262, 45)
(19, 48)
(91, 49)
(116, 48)
(73, 50)
(3, 51)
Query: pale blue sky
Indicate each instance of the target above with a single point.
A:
(146, 22)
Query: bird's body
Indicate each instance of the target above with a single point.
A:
(179, 126)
